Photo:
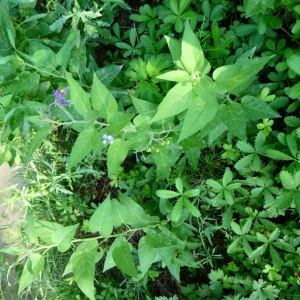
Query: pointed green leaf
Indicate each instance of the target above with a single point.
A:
(84, 144)
(45, 229)
(123, 259)
(166, 194)
(227, 177)
(35, 263)
(146, 254)
(233, 116)
(109, 262)
(258, 252)
(277, 155)
(247, 226)
(191, 207)
(102, 99)
(233, 246)
(78, 95)
(284, 200)
(293, 62)
(39, 137)
(287, 180)
(30, 229)
(178, 99)
(116, 154)
(84, 272)
(179, 186)
(177, 210)
(176, 75)
(236, 78)
(102, 219)
(191, 193)
(245, 147)
(236, 228)
(192, 56)
(63, 237)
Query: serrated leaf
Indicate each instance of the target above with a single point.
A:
(227, 177)
(284, 200)
(102, 99)
(191, 208)
(277, 155)
(287, 180)
(167, 194)
(123, 259)
(177, 210)
(233, 246)
(244, 162)
(102, 219)
(247, 226)
(276, 259)
(84, 144)
(258, 252)
(63, 237)
(192, 193)
(293, 62)
(284, 246)
(245, 147)
(236, 228)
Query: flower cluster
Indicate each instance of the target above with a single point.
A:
(107, 139)
(59, 98)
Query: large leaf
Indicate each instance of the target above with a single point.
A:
(232, 115)
(102, 219)
(178, 99)
(236, 78)
(84, 272)
(45, 229)
(63, 237)
(116, 154)
(31, 270)
(123, 259)
(63, 55)
(256, 109)
(203, 109)
(192, 56)
(84, 144)
(38, 139)
(79, 97)
(147, 255)
(102, 99)
(108, 73)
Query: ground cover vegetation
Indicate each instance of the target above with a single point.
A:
(159, 142)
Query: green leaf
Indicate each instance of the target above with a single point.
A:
(177, 210)
(178, 99)
(84, 144)
(256, 109)
(176, 75)
(109, 262)
(294, 91)
(245, 147)
(288, 180)
(253, 7)
(79, 97)
(192, 56)
(191, 193)
(108, 73)
(30, 229)
(123, 259)
(102, 219)
(277, 155)
(284, 200)
(116, 154)
(146, 254)
(167, 194)
(118, 121)
(247, 226)
(276, 259)
(191, 208)
(63, 237)
(175, 49)
(179, 186)
(258, 252)
(236, 228)
(35, 264)
(232, 115)
(142, 106)
(227, 177)
(63, 55)
(102, 99)
(39, 137)
(293, 62)
(234, 245)
(236, 78)
(45, 229)
(84, 272)
(202, 110)
(45, 61)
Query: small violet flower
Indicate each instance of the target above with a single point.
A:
(107, 139)
(59, 98)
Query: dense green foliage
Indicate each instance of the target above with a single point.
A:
(159, 139)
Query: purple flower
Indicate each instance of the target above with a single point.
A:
(59, 98)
